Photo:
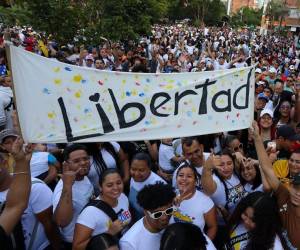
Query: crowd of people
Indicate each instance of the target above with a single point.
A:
(230, 190)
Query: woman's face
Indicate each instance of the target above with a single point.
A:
(226, 167)
(186, 180)
(112, 186)
(247, 218)
(248, 173)
(139, 170)
(236, 146)
(266, 121)
(285, 109)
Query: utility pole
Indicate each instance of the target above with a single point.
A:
(228, 7)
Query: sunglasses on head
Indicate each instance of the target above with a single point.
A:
(240, 146)
(159, 214)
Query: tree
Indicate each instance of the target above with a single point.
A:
(277, 10)
(247, 16)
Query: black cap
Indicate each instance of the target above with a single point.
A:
(287, 132)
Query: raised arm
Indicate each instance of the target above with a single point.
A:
(19, 191)
(265, 162)
(207, 182)
(63, 213)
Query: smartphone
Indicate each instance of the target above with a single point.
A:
(272, 145)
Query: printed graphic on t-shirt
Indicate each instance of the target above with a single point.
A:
(179, 217)
(235, 194)
(124, 216)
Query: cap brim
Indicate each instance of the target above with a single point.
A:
(8, 135)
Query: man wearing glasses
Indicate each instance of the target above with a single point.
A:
(72, 192)
(157, 202)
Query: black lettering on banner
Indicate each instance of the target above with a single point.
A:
(181, 95)
(214, 99)
(154, 108)
(68, 128)
(121, 112)
(247, 95)
(203, 102)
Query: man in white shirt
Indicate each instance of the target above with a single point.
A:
(73, 191)
(157, 202)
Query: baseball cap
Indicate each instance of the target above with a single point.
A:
(263, 96)
(292, 67)
(258, 70)
(89, 57)
(296, 179)
(6, 133)
(272, 70)
(287, 132)
(260, 83)
(266, 111)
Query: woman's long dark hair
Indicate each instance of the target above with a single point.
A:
(95, 152)
(266, 219)
(257, 180)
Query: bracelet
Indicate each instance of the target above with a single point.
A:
(16, 173)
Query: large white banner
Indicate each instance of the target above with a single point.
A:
(58, 102)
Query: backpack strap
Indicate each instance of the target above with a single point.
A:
(103, 206)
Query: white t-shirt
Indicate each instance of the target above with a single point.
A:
(236, 192)
(193, 210)
(97, 220)
(165, 154)
(109, 160)
(139, 238)
(248, 188)
(136, 187)
(40, 199)
(239, 239)
(81, 193)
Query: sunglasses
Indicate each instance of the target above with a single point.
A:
(159, 214)
(240, 146)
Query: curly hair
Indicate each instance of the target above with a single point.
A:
(266, 219)
(155, 195)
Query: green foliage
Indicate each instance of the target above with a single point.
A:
(247, 16)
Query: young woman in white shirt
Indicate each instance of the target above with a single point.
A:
(93, 221)
(255, 224)
(192, 205)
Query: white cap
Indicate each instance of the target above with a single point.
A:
(258, 70)
(267, 111)
(272, 70)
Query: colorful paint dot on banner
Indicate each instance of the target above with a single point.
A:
(227, 117)
(57, 81)
(238, 115)
(69, 90)
(210, 117)
(134, 115)
(122, 95)
(137, 83)
(83, 81)
(77, 78)
(169, 86)
(78, 94)
(86, 110)
(153, 120)
(147, 101)
(123, 81)
(221, 101)
(78, 107)
(46, 91)
(162, 85)
(117, 73)
(39, 136)
(128, 93)
(56, 69)
(147, 122)
(84, 126)
(171, 80)
(134, 92)
(179, 84)
(179, 126)
(141, 94)
(148, 80)
(194, 110)
(163, 107)
(51, 135)
(194, 122)
(185, 103)
(51, 115)
(100, 82)
(189, 113)
(68, 69)
(110, 107)
(232, 121)
(143, 130)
